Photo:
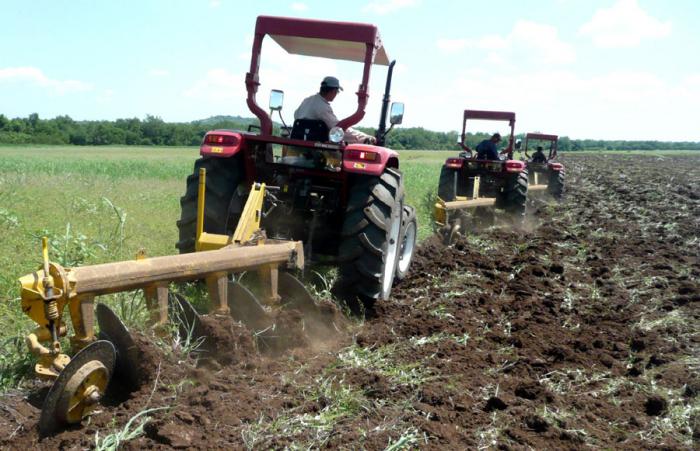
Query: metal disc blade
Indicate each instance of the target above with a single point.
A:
(318, 321)
(126, 367)
(184, 315)
(294, 294)
(452, 235)
(246, 308)
(50, 422)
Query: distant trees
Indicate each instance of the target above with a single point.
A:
(154, 131)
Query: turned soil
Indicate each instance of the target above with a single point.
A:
(580, 332)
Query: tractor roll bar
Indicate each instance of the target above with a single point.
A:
(489, 116)
(326, 39)
(554, 139)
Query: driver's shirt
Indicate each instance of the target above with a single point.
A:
(539, 157)
(486, 150)
(315, 107)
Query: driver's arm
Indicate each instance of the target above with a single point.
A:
(326, 114)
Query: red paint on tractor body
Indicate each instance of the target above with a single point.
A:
(366, 158)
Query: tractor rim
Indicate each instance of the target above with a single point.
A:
(407, 245)
(391, 254)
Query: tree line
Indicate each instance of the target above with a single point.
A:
(153, 131)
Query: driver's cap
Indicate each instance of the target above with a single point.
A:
(331, 82)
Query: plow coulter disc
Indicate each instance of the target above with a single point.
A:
(452, 234)
(317, 322)
(184, 315)
(113, 330)
(246, 308)
(78, 388)
(282, 325)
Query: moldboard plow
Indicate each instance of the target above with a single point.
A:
(81, 381)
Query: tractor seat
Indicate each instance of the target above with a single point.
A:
(310, 130)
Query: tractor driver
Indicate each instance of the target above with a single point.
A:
(487, 150)
(318, 107)
(539, 156)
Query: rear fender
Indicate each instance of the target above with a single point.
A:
(454, 163)
(556, 167)
(221, 144)
(514, 166)
(368, 159)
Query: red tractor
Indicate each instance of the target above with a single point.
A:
(543, 173)
(468, 182)
(346, 202)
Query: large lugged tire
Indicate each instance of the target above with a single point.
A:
(409, 232)
(446, 185)
(513, 197)
(556, 184)
(223, 177)
(369, 246)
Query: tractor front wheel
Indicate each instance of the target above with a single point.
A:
(371, 237)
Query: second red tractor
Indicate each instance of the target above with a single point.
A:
(469, 183)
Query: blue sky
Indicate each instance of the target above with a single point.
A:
(610, 69)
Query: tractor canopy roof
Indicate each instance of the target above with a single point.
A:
(326, 39)
(542, 136)
(490, 115)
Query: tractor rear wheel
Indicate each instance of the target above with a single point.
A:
(446, 186)
(513, 196)
(223, 176)
(556, 184)
(370, 239)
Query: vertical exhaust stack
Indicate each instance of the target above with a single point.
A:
(381, 131)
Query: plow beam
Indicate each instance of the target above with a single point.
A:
(129, 275)
(469, 203)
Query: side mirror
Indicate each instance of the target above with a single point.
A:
(276, 100)
(396, 113)
(518, 144)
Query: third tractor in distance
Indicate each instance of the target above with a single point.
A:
(544, 173)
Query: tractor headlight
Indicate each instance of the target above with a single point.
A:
(336, 135)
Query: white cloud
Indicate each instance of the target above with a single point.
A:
(382, 7)
(37, 77)
(544, 39)
(625, 24)
(451, 45)
(615, 105)
(155, 72)
(298, 6)
(526, 38)
(215, 3)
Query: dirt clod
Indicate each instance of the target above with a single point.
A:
(655, 406)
